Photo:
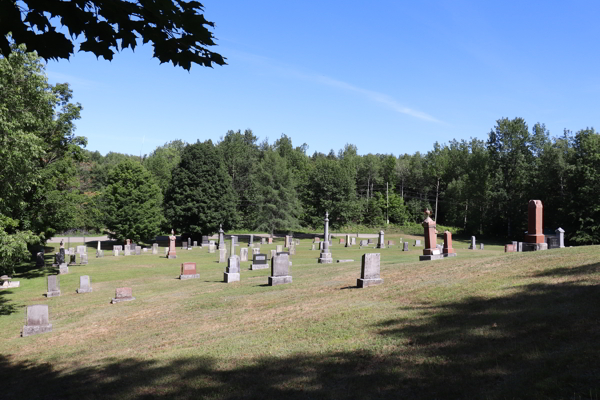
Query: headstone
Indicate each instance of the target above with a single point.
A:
(99, 243)
(81, 249)
(244, 254)
(250, 240)
(321, 246)
(154, 248)
(280, 270)
(73, 259)
(279, 248)
(71, 250)
(138, 250)
(447, 250)
(273, 253)
(115, 251)
(222, 255)
(369, 241)
(189, 243)
(514, 243)
(232, 272)
(270, 240)
(364, 242)
(128, 242)
(166, 252)
(292, 249)
(127, 250)
(144, 250)
(263, 240)
(83, 260)
(37, 320)
(287, 240)
(325, 256)
(297, 242)
(380, 242)
(316, 239)
(234, 242)
(560, 233)
(53, 286)
(405, 246)
(122, 294)
(172, 252)
(313, 246)
(439, 246)
(188, 271)
(342, 241)
(417, 243)
(391, 243)
(40, 262)
(211, 248)
(255, 250)
(184, 245)
(84, 284)
(535, 231)
(369, 272)
(520, 246)
(195, 244)
(430, 252)
(63, 269)
(353, 241)
(205, 240)
(99, 253)
(509, 248)
(472, 247)
(552, 242)
(480, 246)
(259, 261)
(221, 237)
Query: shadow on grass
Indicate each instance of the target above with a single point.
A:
(6, 306)
(565, 271)
(538, 343)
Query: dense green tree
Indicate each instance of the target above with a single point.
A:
(200, 196)
(178, 30)
(161, 162)
(276, 202)
(436, 162)
(132, 203)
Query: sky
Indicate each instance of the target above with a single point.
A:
(391, 77)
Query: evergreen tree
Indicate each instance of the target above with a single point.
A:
(132, 203)
(200, 195)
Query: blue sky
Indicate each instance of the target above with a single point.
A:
(387, 76)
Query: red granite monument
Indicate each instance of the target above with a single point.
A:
(535, 239)
(430, 252)
(448, 251)
(172, 253)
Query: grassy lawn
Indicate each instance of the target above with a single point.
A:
(483, 325)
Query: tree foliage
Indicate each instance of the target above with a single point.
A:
(132, 203)
(177, 29)
(200, 196)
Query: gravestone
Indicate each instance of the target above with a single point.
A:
(273, 253)
(83, 260)
(448, 251)
(263, 240)
(297, 242)
(122, 294)
(439, 246)
(256, 250)
(472, 247)
(288, 239)
(167, 252)
(84, 284)
(188, 271)
(128, 242)
(509, 248)
(172, 252)
(292, 249)
(279, 248)
(270, 240)
(481, 246)
(63, 269)
(138, 250)
(313, 247)
(36, 320)
(380, 242)
(344, 261)
(405, 246)
(154, 248)
(316, 239)
(560, 233)
(184, 245)
(244, 254)
(369, 241)
(514, 243)
(72, 259)
(369, 271)
(232, 272)
(251, 240)
(53, 286)
(259, 261)
(144, 250)
(280, 270)
(195, 244)
(205, 240)
(430, 252)
(127, 250)
(81, 249)
(234, 242)
(325, 256)
(391, 243)
(364, 242)
(553, 242)
(115, 251)
(99, 253)
(353, 241)
(40, 262)
(211, 248)
(342, 241)
(520, 246)
(71, 250)
(535, 238)
(221, 237)
(222, 255)
(417, 243)
(189, 243)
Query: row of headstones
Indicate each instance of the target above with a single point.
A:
(473, 245)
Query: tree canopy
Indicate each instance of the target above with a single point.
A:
(177, 29)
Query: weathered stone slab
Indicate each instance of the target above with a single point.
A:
(83, 259)
(380, 242)
(391, 243)
(405, 246)
(222, 255)
(53, 286)
(84, 284)
(364, 242)
(188, 271)
(244, 254)
(370, 268)
(273, 253)
(279, 248)
(232, 272)
(280, 270)
(155, 248)
(256, 250)
(138, 250)
(63, 269)
(123, 294)
(481, 246)
(36, 320)
(417, 243)
(344, 261)
(81, 249)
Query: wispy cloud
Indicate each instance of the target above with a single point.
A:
(290, 71)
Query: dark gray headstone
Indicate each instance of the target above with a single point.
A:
(204, 240)
(280, 270)
(405, 246)
(40, 262)
(259, 261)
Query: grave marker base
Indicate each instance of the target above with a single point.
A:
(344, 261)
(35, 329)
(229, 277)
(279, 280)
(54, 293)
(88, 290)
(259, 266)
(363, 283)
(535, 246)
(189, 276)
(63, 269)
(431, 257)
(119, 300)
(171, 256)
(449, 254)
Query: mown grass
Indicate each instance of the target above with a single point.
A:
(485, 324)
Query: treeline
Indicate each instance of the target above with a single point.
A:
(482, 187)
